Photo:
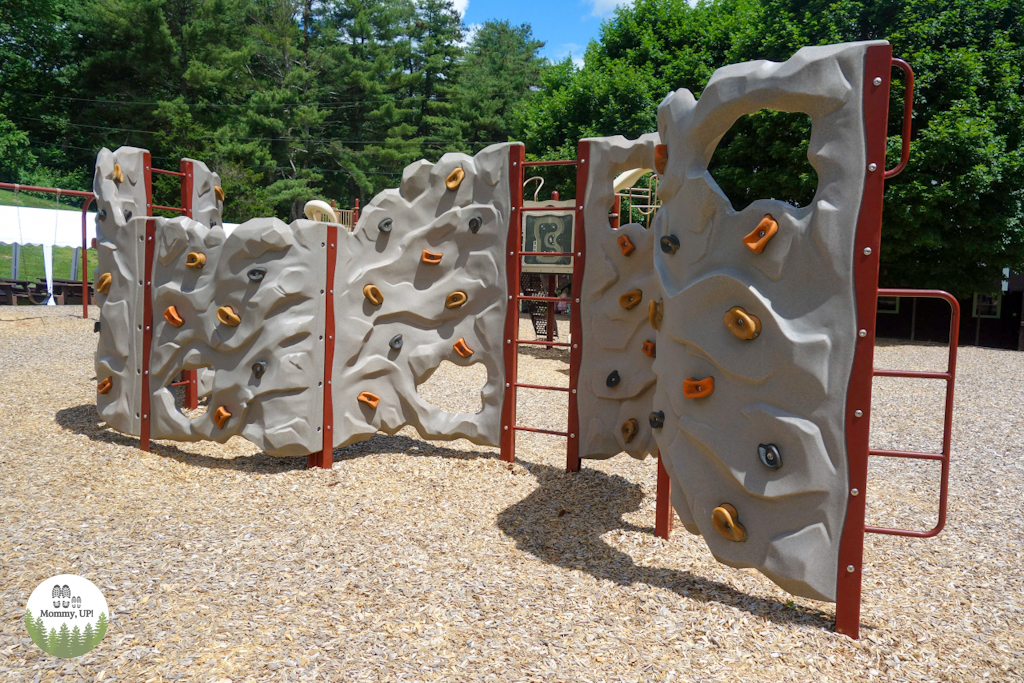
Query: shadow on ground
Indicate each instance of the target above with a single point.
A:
(543, 525)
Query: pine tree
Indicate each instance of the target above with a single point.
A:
(77, 645)
(64, 642)
(101, 629)
(53, 642)
(88, 637)
(31, 627)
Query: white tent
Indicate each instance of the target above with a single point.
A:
(46, 227)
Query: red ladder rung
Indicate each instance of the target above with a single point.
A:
(538, 342)
(540, 386)
(540, 431)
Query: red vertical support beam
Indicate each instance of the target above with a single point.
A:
(187, 185)
(325, 456)
(616, 219)
(355, 214)
(516, 157)
(147, 302)
(85, 257)
(663, 503)
(877, 65)
(572, 450)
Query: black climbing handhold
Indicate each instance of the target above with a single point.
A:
(127, 215)
(256, 274)
(101, 214)
(770, 456)
(258, 368)
(96, 326)
(657, 419)
(670, 244)
(474, 224)
(613, 379)
(396, 342)
(384, 225)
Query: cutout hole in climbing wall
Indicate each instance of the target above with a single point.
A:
(754, 158)
(455, 388)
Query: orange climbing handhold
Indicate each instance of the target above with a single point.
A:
(221, 416)
(369, 399)
(725, 520)
(218, 192)
(455, 299)
(431, 257)
(171, 316)
(454, 179)
(649, 349)
(227, 316)
(698, 388)
(373, 294)
(660, 158)
(742, 324)
(103, 283)
(630, 298)
(104, 385)
(118, 175)
(629, 429)
(765, 230)
(462, 348)
(626, 245)
(654, 312)
(195, 259)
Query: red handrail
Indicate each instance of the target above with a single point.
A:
(908, 107)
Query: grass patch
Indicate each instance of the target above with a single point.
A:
(40, 201)
(32, 262)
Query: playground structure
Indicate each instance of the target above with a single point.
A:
(737, 347)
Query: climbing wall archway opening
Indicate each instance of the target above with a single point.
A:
(765, 156)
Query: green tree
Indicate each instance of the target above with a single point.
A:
(76, 644)
(53, 642)
(33, 629)
(101, 629)
(63, 642)
(88, 637)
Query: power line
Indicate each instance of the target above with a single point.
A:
(339, 104)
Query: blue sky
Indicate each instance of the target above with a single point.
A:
(565, 26)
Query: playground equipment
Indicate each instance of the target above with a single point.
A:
(736, 346)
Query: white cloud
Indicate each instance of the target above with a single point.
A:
(470, 33)
(573, 51)
(603, 8)
(460, 6)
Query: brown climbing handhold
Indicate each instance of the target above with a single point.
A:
(104, 385)
(629, 429)
(118, 175)
(630, 298)
(654, 312)
(227, 316)
(698, 388)
(221, 416)
(454, 179)
(433, 258)
(626, 245)
(462, 349)
(373, 294)
(195, 259)
(455, 299)
(742, 324)
(369, 399)
(103, 283)
(765, 230)
(660, 158)
(218, 192)
(171, 315)
(725, 519)
(649, 349)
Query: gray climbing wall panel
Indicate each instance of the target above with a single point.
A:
(120, 206)
(206, 206)
(397, 234)
(271, 276)
(618, 283)
(786, 387)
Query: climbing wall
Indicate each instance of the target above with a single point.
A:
(207, 198)
(421, 280)
(120, 188)
(616, 390)
(249, 307)
(758, 330)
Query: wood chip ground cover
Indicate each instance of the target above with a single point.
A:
(421, 561)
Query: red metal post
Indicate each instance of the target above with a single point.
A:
(572, 455)
(85, 257)
(663, 503)
(877, 65)
(190, 377)
(618, 209)
(147, 302)
(325, 456)
(516, 159)
(355, 214)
